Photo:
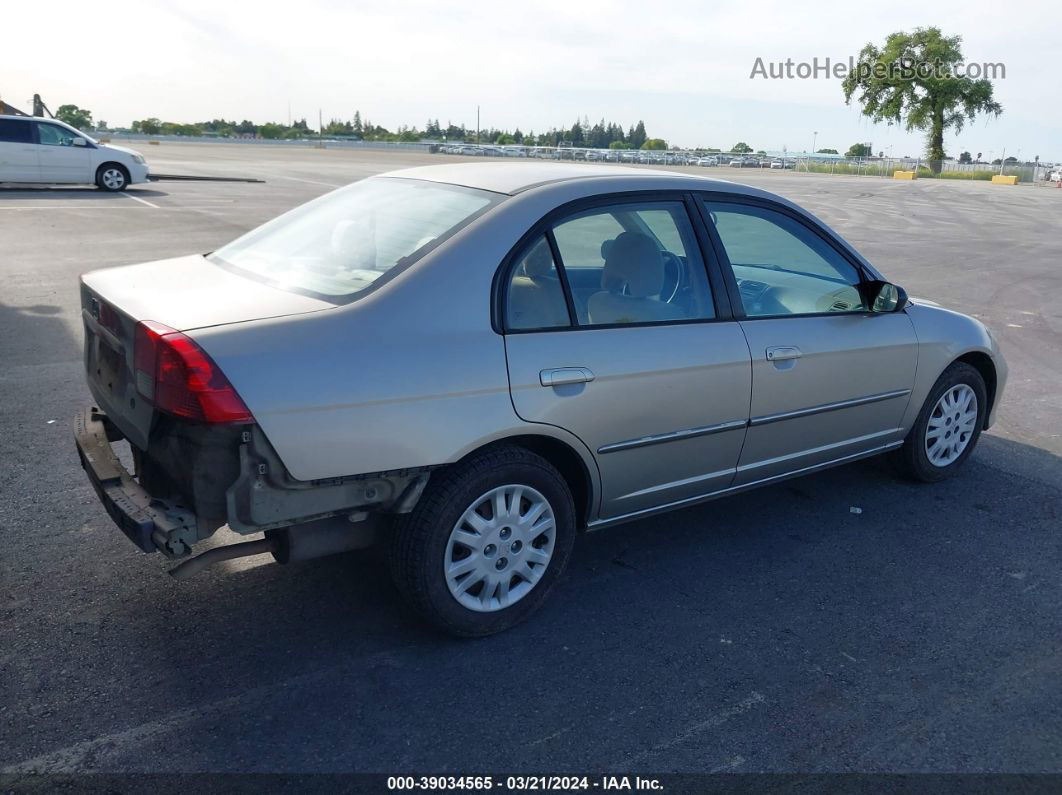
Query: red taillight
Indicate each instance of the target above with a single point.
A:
(178, 377)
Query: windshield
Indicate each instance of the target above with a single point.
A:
(340, 244)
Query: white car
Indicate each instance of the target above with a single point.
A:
(49, 151)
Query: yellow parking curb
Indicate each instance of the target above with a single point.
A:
(1002, 179)
(903, 175)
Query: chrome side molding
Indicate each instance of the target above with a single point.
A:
(766, 419)
(672, 436)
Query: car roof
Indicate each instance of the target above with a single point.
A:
(513, 178)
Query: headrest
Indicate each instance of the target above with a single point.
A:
(539, 260)
(635, 260)
(353, 244)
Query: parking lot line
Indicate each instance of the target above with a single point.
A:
(716, 719)
(66, 206)
(138, 199)
(313, 182)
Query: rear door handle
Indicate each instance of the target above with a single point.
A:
(565, 375)
(783, 352)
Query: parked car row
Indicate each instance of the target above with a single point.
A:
(654, 157)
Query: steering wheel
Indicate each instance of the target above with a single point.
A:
(673, 276)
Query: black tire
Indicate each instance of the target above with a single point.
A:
(912, 460)
(419, 545)
(104, 182)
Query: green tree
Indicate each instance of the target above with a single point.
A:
(148, 126)
(619, 145)
(965, 157)
(858, 150)
(655, 143)
(637, 136)
(272, 130)
(741, 147)
(826, 151)
(912, 81)
(75, 116)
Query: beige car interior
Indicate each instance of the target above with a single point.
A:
(632, 278)
(536, 298)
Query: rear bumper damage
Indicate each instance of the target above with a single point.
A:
(145, 520)
(300, 519)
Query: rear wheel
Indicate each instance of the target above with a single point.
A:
(948, 427)
(112, 177)
(486, 543)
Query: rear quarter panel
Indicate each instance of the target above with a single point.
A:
(411, 375)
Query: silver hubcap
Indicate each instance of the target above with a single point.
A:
(500, 548)
(113, 178)
(951, 425)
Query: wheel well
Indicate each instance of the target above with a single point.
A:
(567, 462)
(982, 362)
(113, 163)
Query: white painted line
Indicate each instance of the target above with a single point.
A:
(65, 206)
(710, 722)
(313, 182)
(138, 199)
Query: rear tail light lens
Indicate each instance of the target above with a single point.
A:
(179, 378)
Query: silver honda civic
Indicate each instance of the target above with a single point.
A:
(470, 363)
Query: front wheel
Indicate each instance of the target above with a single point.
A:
(486, 543)
(948, 427)
(112, 177)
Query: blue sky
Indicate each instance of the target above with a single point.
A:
(683, 67)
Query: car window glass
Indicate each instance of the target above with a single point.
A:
(536, 296)
(781, 266)
(337, 246)
(53, 135)
(634, 263)
(15, 131)
(579, 239)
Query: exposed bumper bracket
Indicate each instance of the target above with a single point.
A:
(152, 524)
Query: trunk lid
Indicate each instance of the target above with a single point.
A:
(183, 293)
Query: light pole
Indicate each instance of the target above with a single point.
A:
(814, 138)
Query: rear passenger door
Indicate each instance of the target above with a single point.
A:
(18, 156)
(615, 331)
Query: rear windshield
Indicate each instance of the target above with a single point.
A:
(339, 245)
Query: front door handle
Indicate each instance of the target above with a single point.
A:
(565, 375)
(783, 352)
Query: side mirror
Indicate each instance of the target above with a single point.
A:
(886, 297)
(78, 142)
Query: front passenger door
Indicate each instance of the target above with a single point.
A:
(60, 159)
(830, 379)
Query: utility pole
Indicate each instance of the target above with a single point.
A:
(477, 124)
(320, 126)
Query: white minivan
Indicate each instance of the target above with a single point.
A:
(46, 150)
